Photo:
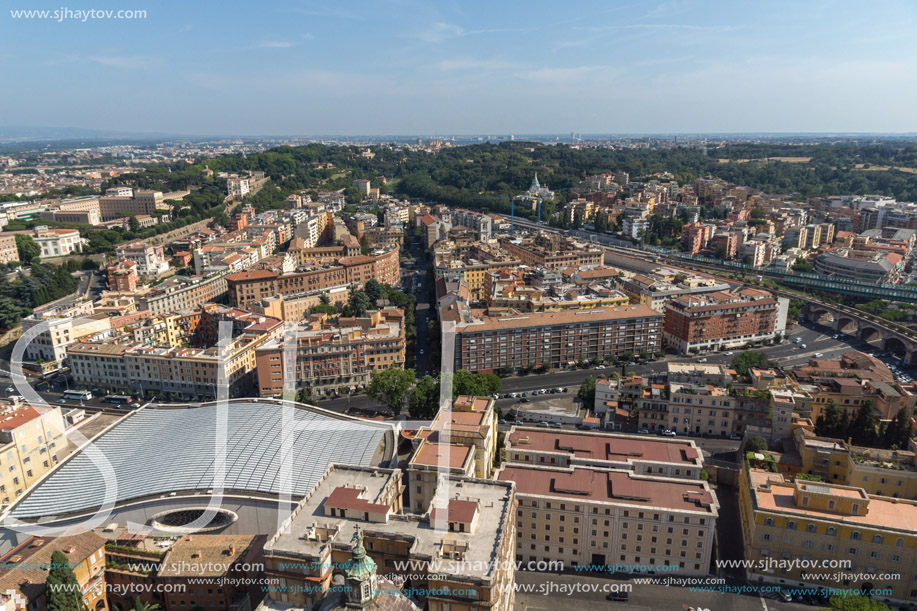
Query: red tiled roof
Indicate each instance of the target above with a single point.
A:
(253, 274)
(349, 498)
(608, 486)
(457, 511)
(604, 447)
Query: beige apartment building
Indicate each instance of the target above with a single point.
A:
(489, 343)
(335, 354)
(183, 294)
(874, 537)
(700, 408)
(8, 250)
(296, 308)
(591, 515)
(63, 330)
(187, 373)
(460, 548)
(33, 441)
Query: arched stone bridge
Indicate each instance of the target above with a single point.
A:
(884, 335)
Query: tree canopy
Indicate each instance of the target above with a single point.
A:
(390, 387)
(61, 587)
(747, 360)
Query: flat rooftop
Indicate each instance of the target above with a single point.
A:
(600, 446)
(882, 512)
(493, 499)
(154, 452)
(430, 454)
(615, 487)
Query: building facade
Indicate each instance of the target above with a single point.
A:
(723, 320)
(559, 338)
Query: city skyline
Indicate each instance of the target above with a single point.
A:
(406, 68)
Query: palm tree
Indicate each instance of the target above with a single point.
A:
(140, 605)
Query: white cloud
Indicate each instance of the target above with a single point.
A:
(275, 44)
(475, 64)
(560, 76)
(440, 31)
(118, 61)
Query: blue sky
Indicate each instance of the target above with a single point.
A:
(304, 67)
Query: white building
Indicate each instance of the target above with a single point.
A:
(51, 344)
(237, 187)
(150, 259)
(119, 192)
(57, 242)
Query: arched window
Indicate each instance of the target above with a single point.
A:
(831, 532)
(791, 525)
(855, 535)
(878, 539)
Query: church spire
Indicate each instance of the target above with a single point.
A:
(360, 573)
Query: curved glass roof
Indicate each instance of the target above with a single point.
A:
(157, 451)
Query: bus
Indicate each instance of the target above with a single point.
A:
(118, 399)
(81, 395)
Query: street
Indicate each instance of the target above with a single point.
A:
(546, 591)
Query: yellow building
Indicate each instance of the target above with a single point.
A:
(429, 462)
(810, 534)
(33, 442)
(891, 473)
(25, 570)
(469, 422)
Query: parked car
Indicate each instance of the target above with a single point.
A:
(702, 360)
(562, 389)
(618, 596)
(556, 425)
(643, 431)
(542, 425)
(735, 437)
(524, 400)
(818, 355)
(729, 353)
(668, 433)
(601, 367)
(785, 596)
